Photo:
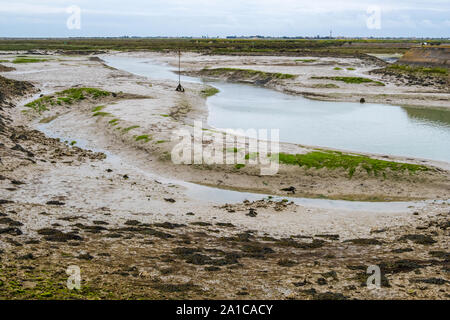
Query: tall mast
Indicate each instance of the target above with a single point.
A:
(179, 66)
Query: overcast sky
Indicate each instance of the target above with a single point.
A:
(48, 18)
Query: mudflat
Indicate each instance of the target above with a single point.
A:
(127, 215)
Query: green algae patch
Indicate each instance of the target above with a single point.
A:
(352, 80)
(246, 73)
(130, 128)
(66, 97)
(102, 114)
(28, 60)
(98, 108)
(338, 160)
(208, 92)
(144, 138)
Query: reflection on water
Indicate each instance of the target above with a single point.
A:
(440, 117)
(373, 128)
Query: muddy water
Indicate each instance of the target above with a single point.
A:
(373, 128)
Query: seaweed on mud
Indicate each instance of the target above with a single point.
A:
(436, 281)
(287, 263)
(201, 223)
(364, 241)
(11, 231)
(172, 288)
(328, 236)
(57, 235)
(441, 255)
(330, 274)
(198, 259)
(132, 223)
(256, 250)
(113, 235)
(100, 222)
(145, 231)
(418, 238)
(224, 224)
(10, 222)
(55, 203)
(212, 268)
(402, 250)
(399, 266)
(329, 296)
(169, 225)
(85, 256)
(288, 242)
(91, 229)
